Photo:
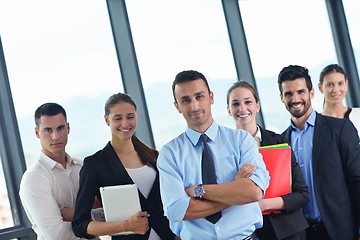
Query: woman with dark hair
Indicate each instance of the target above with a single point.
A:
(124, 160)
(333, 83)
(243, 105)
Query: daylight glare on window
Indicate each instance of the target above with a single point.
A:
(288, 34)
(61, 53)
(182, 35)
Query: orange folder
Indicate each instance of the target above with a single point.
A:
(277, 159)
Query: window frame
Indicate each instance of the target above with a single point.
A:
(129, 67)
(344, 49)
(12, 156)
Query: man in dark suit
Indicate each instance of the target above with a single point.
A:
(328, 152)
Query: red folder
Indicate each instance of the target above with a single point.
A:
(277, 159)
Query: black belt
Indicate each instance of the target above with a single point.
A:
(253, 236)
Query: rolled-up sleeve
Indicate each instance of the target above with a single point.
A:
(250, 153)
(173, 195)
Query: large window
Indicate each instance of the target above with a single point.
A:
(61, 52)
(58, 52)
(353, 20)
(280, 33)
(64, 52)
(170, 37)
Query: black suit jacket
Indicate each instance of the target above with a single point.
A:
(291, 220)
(104, 168)
(336, 175)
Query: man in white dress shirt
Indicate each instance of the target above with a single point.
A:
(49, 186)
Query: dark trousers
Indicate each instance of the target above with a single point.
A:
(267, 231)
(317, 231)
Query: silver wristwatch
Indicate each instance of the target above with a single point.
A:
(199, 191)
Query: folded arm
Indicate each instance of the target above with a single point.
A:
(265, 204)
(239, 191)
(67, 214)
(48, 217)
(199, 208)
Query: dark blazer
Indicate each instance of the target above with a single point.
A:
(336, 175)
(104, 168)
(291, 221)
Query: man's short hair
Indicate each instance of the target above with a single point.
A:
(293, 72)
(188, 76)
(48, 109)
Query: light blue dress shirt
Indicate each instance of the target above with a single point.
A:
(179, 164)
(302, 145)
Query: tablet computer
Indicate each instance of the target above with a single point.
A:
(120, 202)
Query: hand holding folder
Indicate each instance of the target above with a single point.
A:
(277, 159)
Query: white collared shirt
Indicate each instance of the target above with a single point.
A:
(257, 136)
(355, 118)
(45, 188)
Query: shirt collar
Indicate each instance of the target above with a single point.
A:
(309, 122)
(257, 136)
(50, 163)
(258, 133)
(210, 132)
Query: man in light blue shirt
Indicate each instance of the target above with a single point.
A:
(302, 145)
(186, 200)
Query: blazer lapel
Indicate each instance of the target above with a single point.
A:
(118, 168)
(267, 137)
(287, 134)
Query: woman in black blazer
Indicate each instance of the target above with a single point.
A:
(243, 105)
(124, 160)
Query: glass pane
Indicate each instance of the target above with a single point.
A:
(353, 20)
(6, 219)
(282, 33)
(175, 36)
(61, 52)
